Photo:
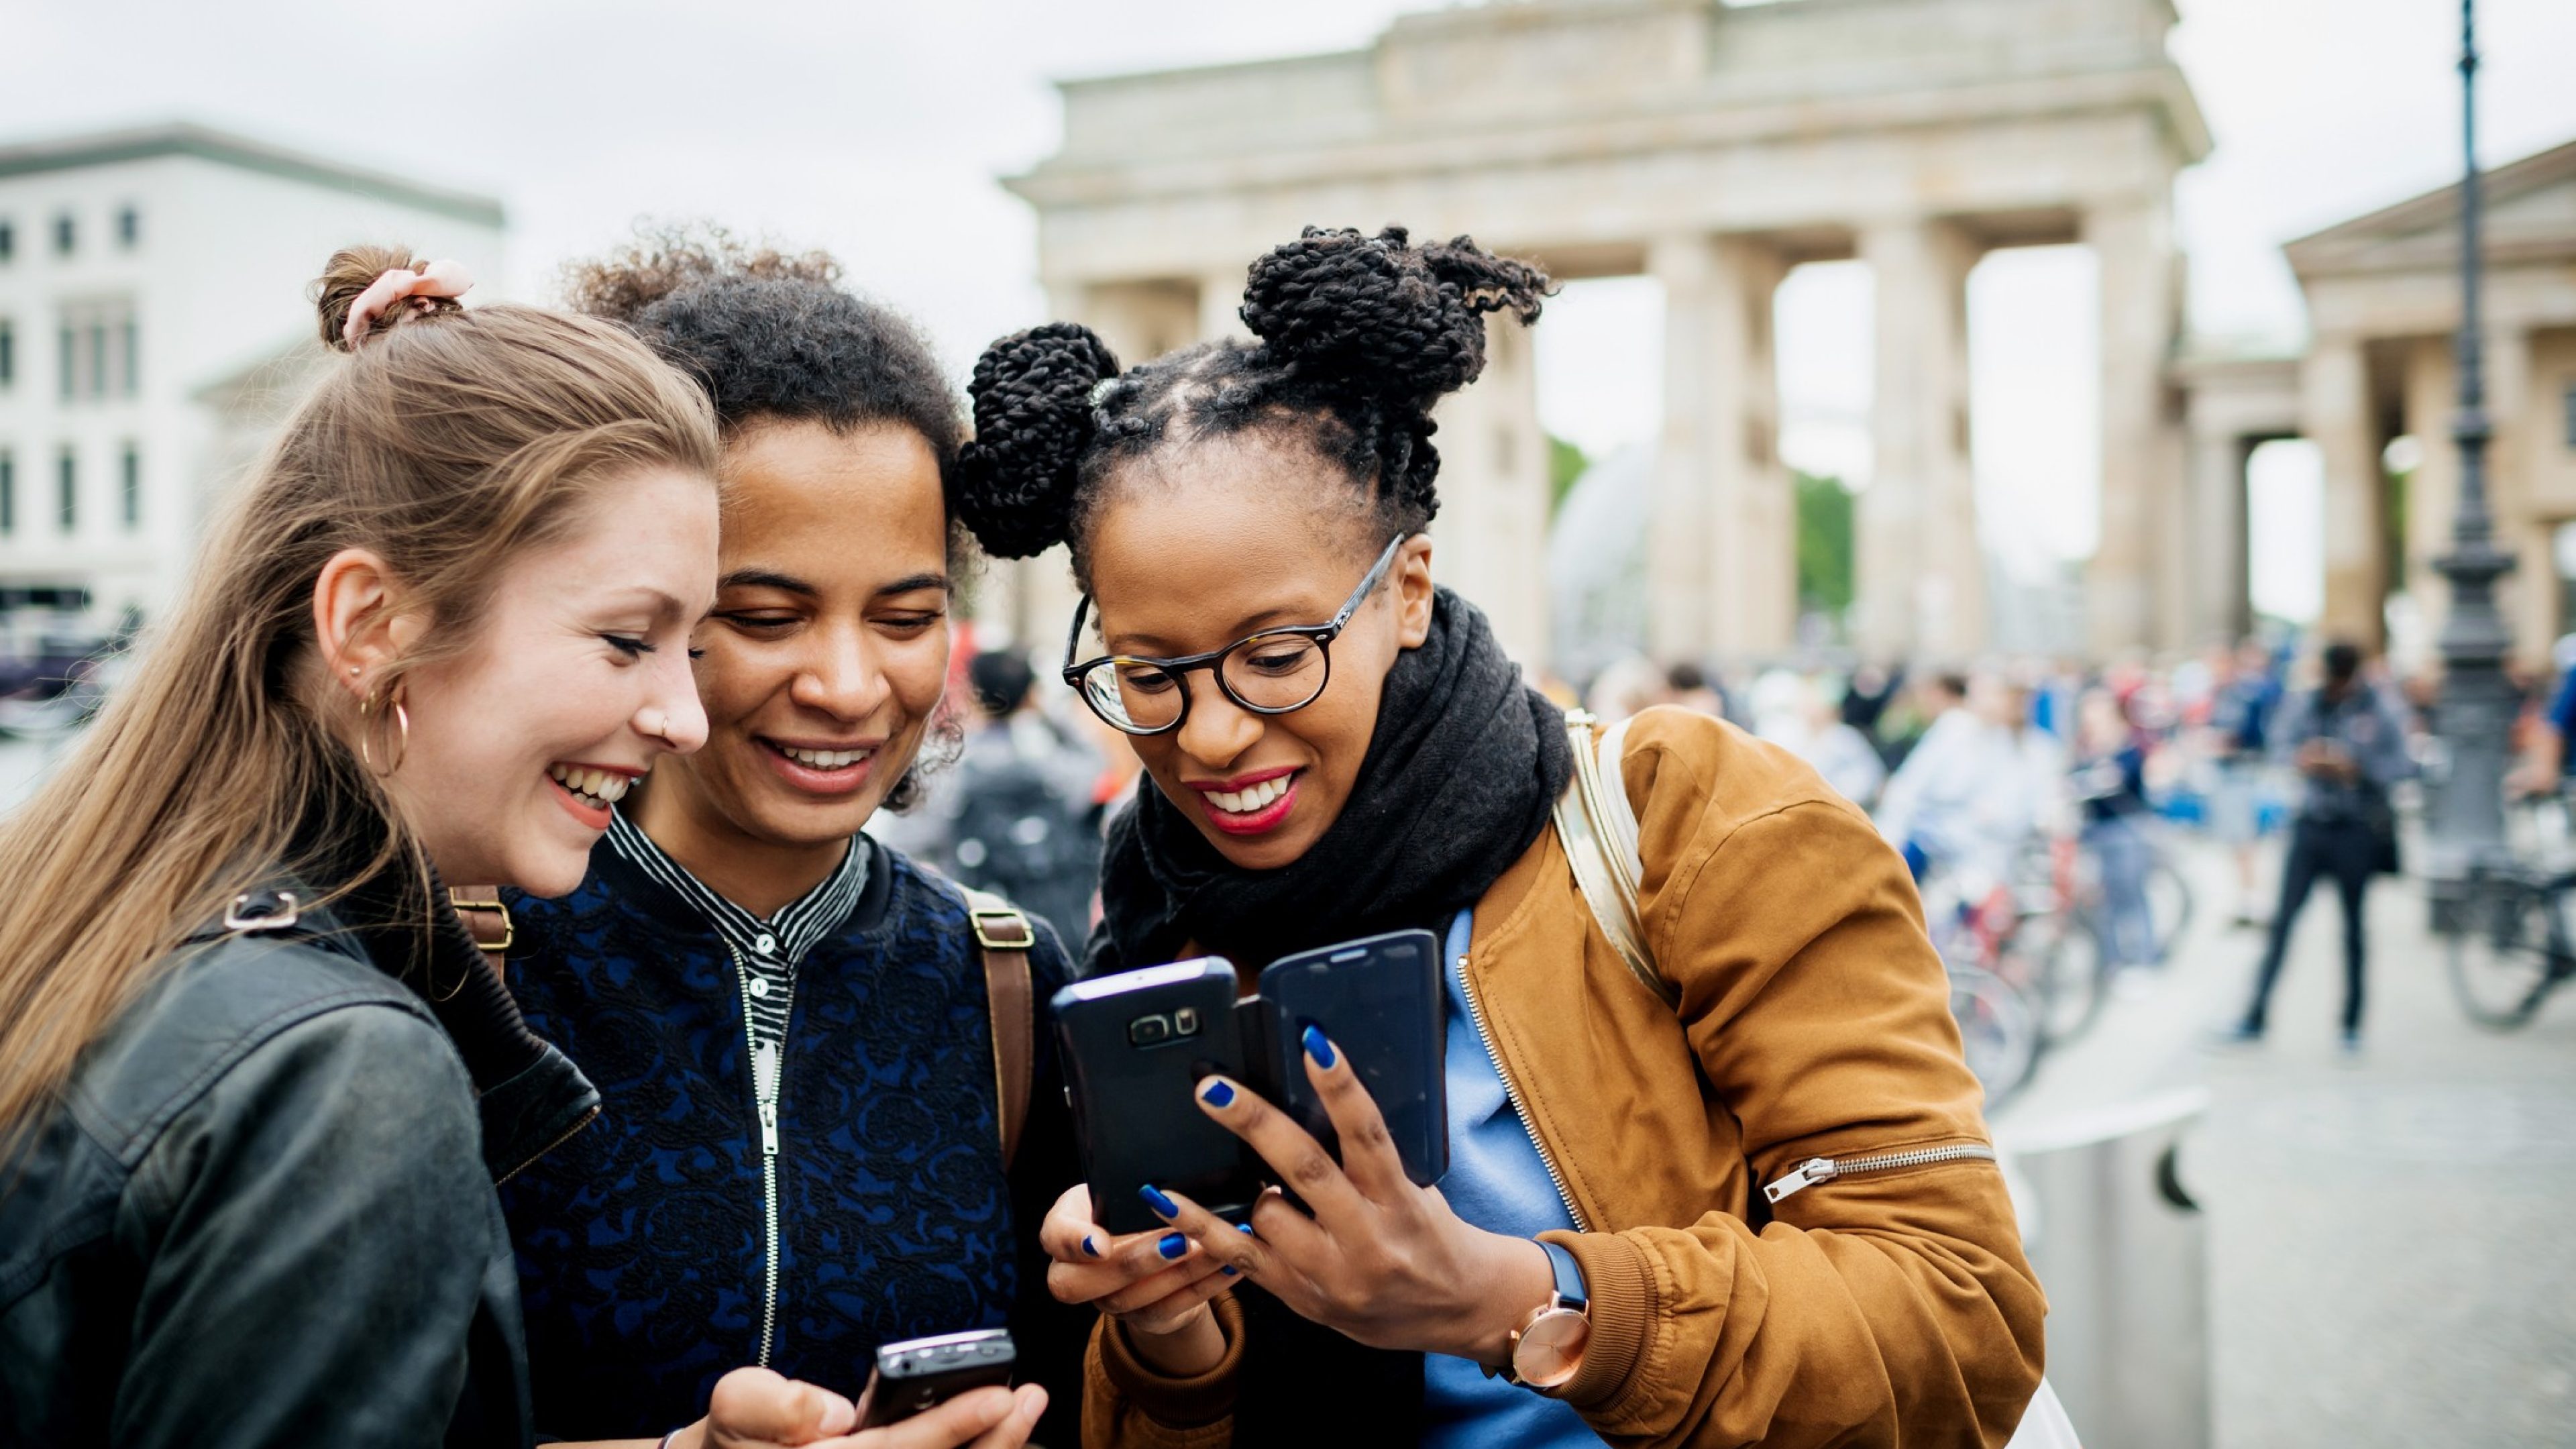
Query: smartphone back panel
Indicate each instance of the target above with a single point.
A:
(1379, 1000)
(1135, 1046)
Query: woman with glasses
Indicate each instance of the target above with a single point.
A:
(831, 1115)
(1717, 1173)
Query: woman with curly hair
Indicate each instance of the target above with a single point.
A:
(817, 1059)
(1717, 1179)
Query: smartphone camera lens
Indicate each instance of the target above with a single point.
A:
(1185, 1022)
(1147, 1030)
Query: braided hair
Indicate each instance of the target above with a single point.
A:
(1357, 337)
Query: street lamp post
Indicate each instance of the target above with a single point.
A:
(2474, 717)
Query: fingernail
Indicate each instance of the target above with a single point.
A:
(1153, 1196)
(1217, 1093)
(1228, 1272)
(1243, 1227)
(1318, 1048)
(1089, 1246)
(1173, 1245)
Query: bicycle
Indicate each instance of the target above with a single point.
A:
(1998, 1014)
(2511, 947)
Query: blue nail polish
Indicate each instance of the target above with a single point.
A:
(1089, 1246)
(1217, 1093)
(1243, 1227)
(1173, 1245)
(1318, 1048)
(1162, 1206)
(1228, 1272)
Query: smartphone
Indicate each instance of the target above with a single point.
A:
(919, 1374)
(1135, 1046)
(1379, 999)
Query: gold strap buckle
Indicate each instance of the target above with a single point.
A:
(1018, 935)
(485, 901)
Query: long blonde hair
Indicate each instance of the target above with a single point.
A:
(452, 441)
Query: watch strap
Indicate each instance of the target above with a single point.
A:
(1570, 1287)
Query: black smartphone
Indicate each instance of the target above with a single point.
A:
(1379, 1000)
(1135, 1046)
(920, 1374)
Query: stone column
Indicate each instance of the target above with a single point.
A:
(2334, 412)
(2216, 591)
(2530, 599)
(1721, 554)
(1491, 535)
(1922, 571)
(2139, 567)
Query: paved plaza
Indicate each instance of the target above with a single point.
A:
(2392, 1239)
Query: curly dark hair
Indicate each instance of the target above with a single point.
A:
(1358, 337)
(773, 335)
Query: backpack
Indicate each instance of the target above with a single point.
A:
(1016, 835)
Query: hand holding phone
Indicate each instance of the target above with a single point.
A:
(1135, 1046)
(919, 1374)
(1379, 1000)
(756, 1408)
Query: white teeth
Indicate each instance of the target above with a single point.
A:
(824, 759)
(1251, 797)
(594, 786)
(616, 787)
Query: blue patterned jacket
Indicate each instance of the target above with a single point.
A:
(641, 1240)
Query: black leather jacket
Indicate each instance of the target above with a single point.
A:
(265, 1215)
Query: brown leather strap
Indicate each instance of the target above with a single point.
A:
(481, 909)
(1003, 937)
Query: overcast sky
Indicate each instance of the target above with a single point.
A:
(876, 130)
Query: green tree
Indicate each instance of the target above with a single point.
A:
(1824, 544)
(1565, 463)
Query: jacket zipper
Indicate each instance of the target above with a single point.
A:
(768, 1074)
(567, 1135)
(1825, 1169)
(1476, 1015)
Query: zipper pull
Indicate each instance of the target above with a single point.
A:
(769, 1129)
(1806, 1175)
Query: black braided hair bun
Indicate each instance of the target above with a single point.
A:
(1378, 316)
(1032, 398)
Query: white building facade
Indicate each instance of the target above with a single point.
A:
(153, 284)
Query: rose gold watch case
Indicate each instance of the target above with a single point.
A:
(1549, 1348)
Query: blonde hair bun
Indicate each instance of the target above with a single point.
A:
(349, 273)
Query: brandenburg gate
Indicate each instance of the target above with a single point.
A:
(1713, 148)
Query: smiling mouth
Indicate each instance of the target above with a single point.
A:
(590, 785)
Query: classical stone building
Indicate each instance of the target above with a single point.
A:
(1713, 148)
(2383, 297)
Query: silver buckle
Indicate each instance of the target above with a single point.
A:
(245, 913)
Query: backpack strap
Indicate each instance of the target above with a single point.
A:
(480, 908)
(1003, 938)
(1598, 827)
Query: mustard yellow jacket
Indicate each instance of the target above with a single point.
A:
(1878, 1307)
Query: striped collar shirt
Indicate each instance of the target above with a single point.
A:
(766, 952)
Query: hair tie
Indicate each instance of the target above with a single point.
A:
(438, 279)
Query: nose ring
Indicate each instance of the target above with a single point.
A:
(655, 723)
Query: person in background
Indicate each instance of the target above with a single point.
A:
(2548, 762)
(2110, 776)
(1021, 819)
(256, 1085)
(1688, 685)
(2242, 709)
(807, 1142)
(1626, 686)
(2347, 740)
(1795, 714)
(1930, 796)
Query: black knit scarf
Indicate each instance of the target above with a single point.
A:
(1459, 778)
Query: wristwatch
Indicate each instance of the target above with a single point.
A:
(1547, 1348)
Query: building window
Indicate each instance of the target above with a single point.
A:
(129, 506)
(8, 493)
(101, 350)
(67, 490)
(66, 234)
(129, 226)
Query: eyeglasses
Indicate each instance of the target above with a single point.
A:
(1272, 672)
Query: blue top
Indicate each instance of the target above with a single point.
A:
(1498, 1182)
(641, 1241)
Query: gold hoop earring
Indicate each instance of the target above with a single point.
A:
(367, 729)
